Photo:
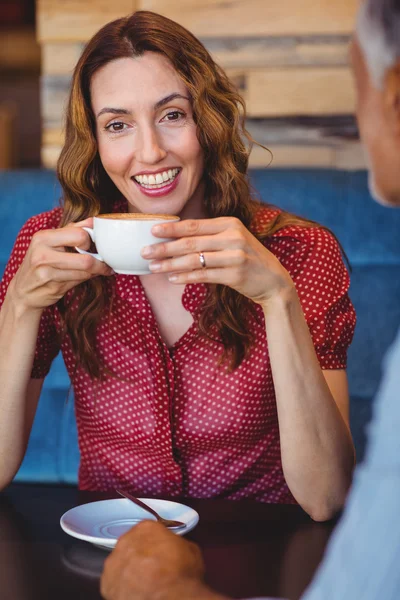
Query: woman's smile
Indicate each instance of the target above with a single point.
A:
(159, 183)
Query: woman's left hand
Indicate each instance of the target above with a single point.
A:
(232, 256)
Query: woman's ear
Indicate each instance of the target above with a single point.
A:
(392, 97)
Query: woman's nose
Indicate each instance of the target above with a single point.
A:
(150, 149)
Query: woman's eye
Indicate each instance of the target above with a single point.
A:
(116, 127)
(174, 115)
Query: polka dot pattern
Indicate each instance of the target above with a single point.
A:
(168, 421)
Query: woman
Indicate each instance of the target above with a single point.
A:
(177, 391)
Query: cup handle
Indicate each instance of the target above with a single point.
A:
(94, 254)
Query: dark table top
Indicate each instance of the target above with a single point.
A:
(250, 549)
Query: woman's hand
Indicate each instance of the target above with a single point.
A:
(48, 272)
(232, 255)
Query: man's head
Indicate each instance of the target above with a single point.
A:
(376, 63)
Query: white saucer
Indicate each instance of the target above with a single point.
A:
(103, 522)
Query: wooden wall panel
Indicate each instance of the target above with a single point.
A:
(8, 114)
(19, 50)
(60, 58)
(248, 53)
(347, 156)
(235, 18)
(55, 91)
(299, 91)
(289, 59)
(77, 20)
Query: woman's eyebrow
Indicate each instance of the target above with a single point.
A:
(113, 111)
(169, 98)
(159, 104)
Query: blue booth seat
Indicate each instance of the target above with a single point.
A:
(369, 234)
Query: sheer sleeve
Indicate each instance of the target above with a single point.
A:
(47, 346)
(314, 260)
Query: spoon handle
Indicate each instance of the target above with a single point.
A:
(139, 503)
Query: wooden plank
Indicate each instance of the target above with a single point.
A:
(279, 52)
(54, 98)
(8, 115)
(60, 58)
(299, 91)
(331, 130)
(19, 50)
(53, 137)
(351, 156)
(238, 18)
(49, 156)
(77, 20)
(348, 156)
(292, 156)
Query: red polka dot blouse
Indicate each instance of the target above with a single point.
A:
(169, 422)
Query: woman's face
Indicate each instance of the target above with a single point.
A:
(147, 137)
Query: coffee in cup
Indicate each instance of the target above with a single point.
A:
(120, 237)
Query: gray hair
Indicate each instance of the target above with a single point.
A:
(378, 32)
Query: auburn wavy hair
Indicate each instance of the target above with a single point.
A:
(219, 113)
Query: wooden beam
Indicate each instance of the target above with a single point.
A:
(60, 58)
(54, 92)
(49, 156)
(238, 18)
(77, 20)
(292, 156)
(19, 50)
(299, 91)
(247, 53)
(347, 156)
(8, 116)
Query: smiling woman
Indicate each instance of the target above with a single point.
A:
(149, 146)
(223, 373)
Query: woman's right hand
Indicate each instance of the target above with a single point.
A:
(48, 272)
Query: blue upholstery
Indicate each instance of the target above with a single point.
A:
(368, 232)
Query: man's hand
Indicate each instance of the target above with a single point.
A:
(151, 563)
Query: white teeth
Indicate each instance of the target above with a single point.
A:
(158, 180)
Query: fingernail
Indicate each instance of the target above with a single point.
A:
(155, 266)
(157, 229)
(147, 251)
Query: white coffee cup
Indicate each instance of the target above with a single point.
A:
(119, 238)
